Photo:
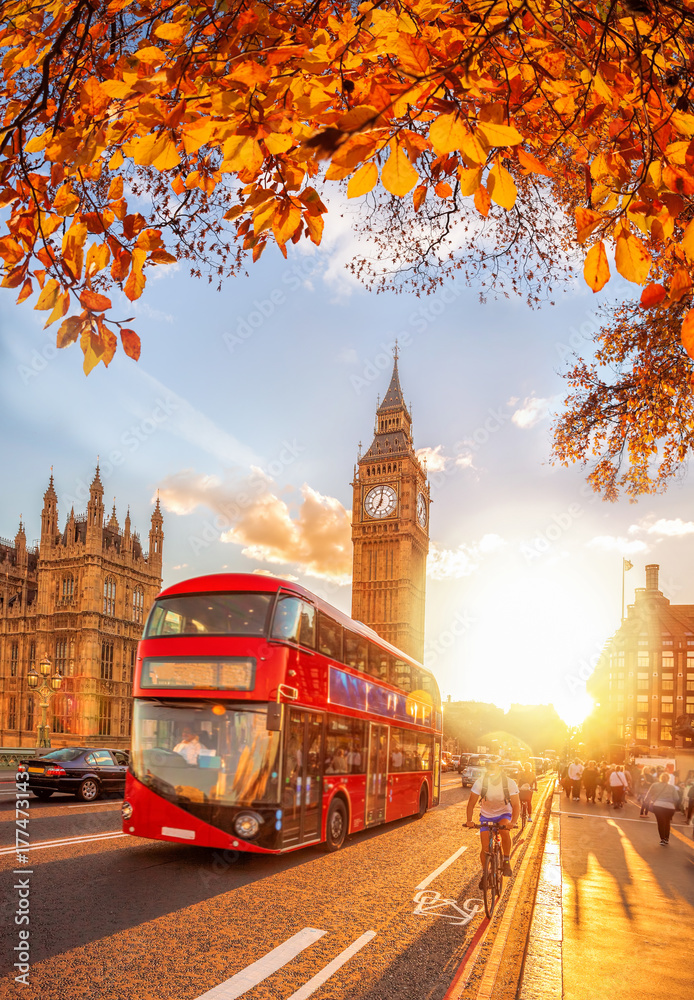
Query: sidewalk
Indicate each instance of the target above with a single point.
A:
(614, 912)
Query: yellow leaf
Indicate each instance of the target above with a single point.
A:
(586, 221)
(469, 181)
(632, 259)
(499, 135)
(116, 160)
(363, 181)
(687, 240)
(68, 331)
(398, 175)
(447, 133)
(172, 32)
(38, 143)
(49, 295)
(242, 152)
(285, 223)
(278, 142)
(263, 216)
(687, 333)
(501, 186)
(92, 347)
(61, 306)
(596, 270)
(149, 54)
(158, 151)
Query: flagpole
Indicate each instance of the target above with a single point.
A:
(623, 572)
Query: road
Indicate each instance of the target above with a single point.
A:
(112, 916)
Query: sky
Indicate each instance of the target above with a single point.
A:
(246, 411)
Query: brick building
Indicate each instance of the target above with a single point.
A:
(81, 597)
(644, 681)
(390, 529)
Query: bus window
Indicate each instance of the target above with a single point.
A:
(329, 637)
(287, 621)
(402, 677)
(345, 745)
(355, 651)
(211, 614)
(307, 636)
(379, 663)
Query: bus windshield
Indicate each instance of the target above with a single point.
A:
(209, 614)
(203, 752)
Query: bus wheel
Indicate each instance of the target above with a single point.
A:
(423, 801)
(336, 827)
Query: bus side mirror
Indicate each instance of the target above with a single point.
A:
(274, 717)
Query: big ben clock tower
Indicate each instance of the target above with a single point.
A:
(390, 529)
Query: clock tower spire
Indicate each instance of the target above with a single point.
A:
(390, 528)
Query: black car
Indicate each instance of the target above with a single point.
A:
(86, 772)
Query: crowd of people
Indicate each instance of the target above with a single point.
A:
(655, 788)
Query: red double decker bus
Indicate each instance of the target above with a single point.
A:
(265, 720)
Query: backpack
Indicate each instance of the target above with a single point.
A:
(504, 784)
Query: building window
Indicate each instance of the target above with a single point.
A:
(104, 716)
(642, 731)
(668, 660)
(68, 588)
(61, 656)
(642, 699)
(30, 712)
(132, 664)
(106, 661)
(12, 713)
(689, 707)
(642, 682)
(668, 683)
(14, 661)
(667, 642)
(138, 604)
(643, 659)
(109, 596)
(666, 704)
(690, 684)
(665, 732)
(32, 655)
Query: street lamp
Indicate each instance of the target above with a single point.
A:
(628, 742)
(44, 684)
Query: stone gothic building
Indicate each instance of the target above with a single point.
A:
(390, 529)
(81, 597)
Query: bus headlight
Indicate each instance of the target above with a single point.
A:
(246, 825)
(126, 810)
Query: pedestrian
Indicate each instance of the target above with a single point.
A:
(603, 784)
(647, 779)
(527, 784)
(575, 771)
(618, 786)
(662, 800)
(590, 781)
(566, 782)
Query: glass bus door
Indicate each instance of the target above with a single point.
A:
(302, 779)
(437, 772)
(377, 775)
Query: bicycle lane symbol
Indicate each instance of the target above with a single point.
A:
(430, 903)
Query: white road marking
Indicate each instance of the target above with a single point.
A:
(65, 842)
(264, 967)
(441, 868)
(87, 805)
(430, 903)
(617, 819)
(312, 985)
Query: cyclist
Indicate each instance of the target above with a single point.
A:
(527, 784)
(499, 803)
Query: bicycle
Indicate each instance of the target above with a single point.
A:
(523, 814)
(493, 872)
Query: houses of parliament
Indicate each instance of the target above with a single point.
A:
(79, 597)
(82, 595)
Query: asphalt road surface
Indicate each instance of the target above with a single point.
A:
(388, 917)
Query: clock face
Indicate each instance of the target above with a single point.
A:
(422, 509)
(380, 501)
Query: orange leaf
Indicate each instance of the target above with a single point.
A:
(652, 295)
(482, 200)
(363, 181)
(443, 189)
(531, 165)
(49, 295)
(501, 186)
(150, 239)
(586, 221)
(68, 331)
(687, 333)
(120, 265)
(596, 270)
(27, 289)
(420, 193)
(398, 175)
(131, 344)
(680, 285)
(632, 259)
(94, 302)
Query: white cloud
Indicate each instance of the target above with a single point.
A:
(348, 356)
(312, 533)
(533, 410)
(452, 564)
(435, 460)
(670, 527)
(612, 543)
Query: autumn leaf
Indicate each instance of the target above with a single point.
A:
(531, 165)
(154, 150)
(680, 285)
(482, 200)
(49, 295)
(687, 333)
(68, 331)
(94, 302)
(632, 259)
(131, 343)
(398, 175)
(596, 270)
(447, 133)
(652, 295)
(501, 186)
(499, 135)
(363, 181)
